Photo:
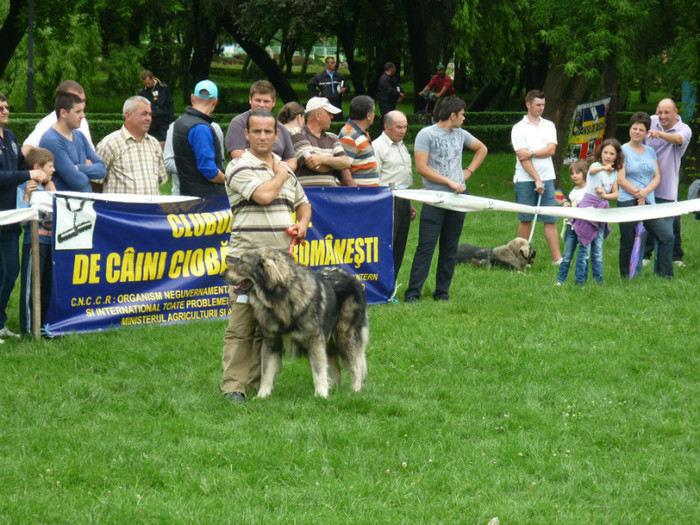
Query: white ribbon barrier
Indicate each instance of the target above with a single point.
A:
(465, 203)
(15, 216)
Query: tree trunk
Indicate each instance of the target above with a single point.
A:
(483, 97)
(503, 95)
(346, 29)
(562, 95)
(305, 63)
(611, 88)
(11, 33)
(204, 32)
(536, 66)
(460, 79)
(258, 55)
(418, 46)
(690, 165)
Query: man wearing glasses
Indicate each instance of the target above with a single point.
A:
(13, 171)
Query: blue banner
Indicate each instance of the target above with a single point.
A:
(352, 228)
(159, 262)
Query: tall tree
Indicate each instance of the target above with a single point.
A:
(257, 54)
(299, 20)
(417, 16)
(496, 37)
(13, 28)
(584, 34)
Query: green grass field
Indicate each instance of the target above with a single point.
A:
(517, 399)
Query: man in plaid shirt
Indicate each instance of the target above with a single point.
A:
(134, 159)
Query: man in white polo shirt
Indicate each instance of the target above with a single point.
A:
(535, 142)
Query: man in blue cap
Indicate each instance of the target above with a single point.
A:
(198, 153)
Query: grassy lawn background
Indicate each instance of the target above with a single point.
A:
(517, 399)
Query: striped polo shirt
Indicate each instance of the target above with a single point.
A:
(358, 147)
(306, 142)
(255, 225)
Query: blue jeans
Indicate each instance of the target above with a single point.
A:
(9, 265)
(570, 242)
(525, 194)
(594, 252)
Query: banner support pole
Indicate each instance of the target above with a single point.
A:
(36, 281)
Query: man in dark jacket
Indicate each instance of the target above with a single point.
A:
(198, 153)
(389, 93)
(330, 84)
(161, 104)
(13, 171)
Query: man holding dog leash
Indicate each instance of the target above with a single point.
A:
(263, 193)
(535, 142)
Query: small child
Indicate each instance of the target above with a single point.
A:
(37, 159)
(577, 171)
(601, 187)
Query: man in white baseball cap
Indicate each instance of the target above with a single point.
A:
(321, 157)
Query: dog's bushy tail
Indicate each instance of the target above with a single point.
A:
(346, 287)
(351, 333)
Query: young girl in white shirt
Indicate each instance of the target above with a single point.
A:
(601, 185)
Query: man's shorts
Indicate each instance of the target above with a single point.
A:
(525, 194)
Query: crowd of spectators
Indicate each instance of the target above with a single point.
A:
(137, 158)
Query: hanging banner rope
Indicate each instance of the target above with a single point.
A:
(468, 203)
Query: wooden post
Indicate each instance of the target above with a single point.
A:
(36, 281)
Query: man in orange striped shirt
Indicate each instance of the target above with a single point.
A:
(357, 144)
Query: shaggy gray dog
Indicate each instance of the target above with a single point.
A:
(323, 312)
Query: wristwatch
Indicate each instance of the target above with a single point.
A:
(532, 153)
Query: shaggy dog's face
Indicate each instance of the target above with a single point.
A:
(260, 269)
(239, 271)
(524, 248)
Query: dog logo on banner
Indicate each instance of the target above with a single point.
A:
(75, 224)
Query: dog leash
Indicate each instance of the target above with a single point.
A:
(534, 221)
(393, 298)
(294, 232)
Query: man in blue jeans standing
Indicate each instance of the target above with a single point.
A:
(535, 143)
(438, 152)
(13, 171)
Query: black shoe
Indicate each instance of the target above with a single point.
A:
(411, 299)
(235, 397)
(442, 297)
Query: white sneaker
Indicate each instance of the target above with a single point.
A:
(646, 262)
(557, 263)
(6, 332)
(680, 264)
(2, 341)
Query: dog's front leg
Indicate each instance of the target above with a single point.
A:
(270, 363)
(319, 366)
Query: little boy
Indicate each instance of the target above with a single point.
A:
(37, 159)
